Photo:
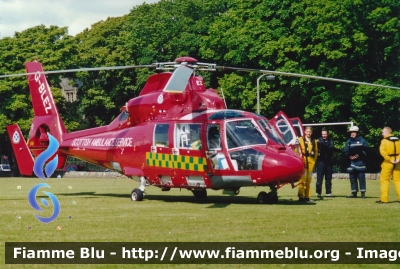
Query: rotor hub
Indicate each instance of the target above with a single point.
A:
(186, 59)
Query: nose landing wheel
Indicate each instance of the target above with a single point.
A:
(137, 195)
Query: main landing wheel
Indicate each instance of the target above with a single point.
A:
(236, 192)
(200, 194)
(262, 197)
(137, 195)
(267, 198)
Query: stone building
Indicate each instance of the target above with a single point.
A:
(68, 91)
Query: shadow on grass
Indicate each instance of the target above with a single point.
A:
(215, 201)
(221, 201)
(345, 196)
(93, 194)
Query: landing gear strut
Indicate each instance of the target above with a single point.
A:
(200, 193)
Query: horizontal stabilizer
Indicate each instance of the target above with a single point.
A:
(21, 151)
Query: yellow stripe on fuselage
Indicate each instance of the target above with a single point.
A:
(176, 161)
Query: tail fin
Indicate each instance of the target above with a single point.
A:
(45, 110)
(21, 150)
(47, 118)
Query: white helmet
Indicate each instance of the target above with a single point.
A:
(353, 129)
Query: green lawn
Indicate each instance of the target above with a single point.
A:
(100, 210)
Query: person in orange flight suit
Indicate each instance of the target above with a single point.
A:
(390, 168)
(309, 150)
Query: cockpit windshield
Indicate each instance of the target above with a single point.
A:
(241, 133)
(271, 132)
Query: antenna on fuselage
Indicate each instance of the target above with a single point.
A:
(223, 97)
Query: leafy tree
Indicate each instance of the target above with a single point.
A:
(105, 91)
(149, 33)
(54, 48)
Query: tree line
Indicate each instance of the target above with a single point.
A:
(350, 39)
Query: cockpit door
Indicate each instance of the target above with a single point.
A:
(285, 128)
(298, 126)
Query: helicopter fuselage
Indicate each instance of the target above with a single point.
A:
(179, 152)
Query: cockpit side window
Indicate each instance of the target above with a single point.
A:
(285, 129)
(213, 136)
(243, 133)
(271, 132)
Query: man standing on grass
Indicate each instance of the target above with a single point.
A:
(324, 164)
(390, 151)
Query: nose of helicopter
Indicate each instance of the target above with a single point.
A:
(283, 166)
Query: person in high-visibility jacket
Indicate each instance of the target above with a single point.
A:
(390, 168)
(309, 151)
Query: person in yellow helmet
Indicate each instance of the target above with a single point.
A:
(309, 150)
(390, 151)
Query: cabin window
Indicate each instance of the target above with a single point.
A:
(161, 135)
(188, 135)
(124, 115)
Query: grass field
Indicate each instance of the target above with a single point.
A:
(100, 210)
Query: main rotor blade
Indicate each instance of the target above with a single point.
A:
(305, 76)
(79, 70)
(179, 79)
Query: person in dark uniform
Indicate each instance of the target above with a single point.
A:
(324, 163)
(356, 150)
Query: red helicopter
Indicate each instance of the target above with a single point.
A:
(175, 134)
